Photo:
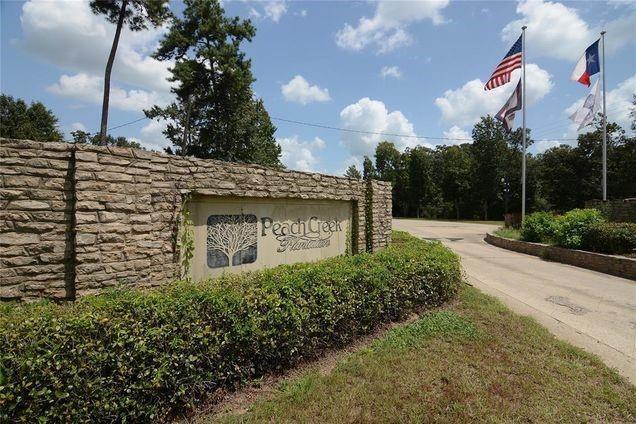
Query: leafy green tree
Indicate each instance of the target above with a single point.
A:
(215, 114)
(424, 195)
(390, 166)
(511, 168)
(353, 172)
(559, 173)
(568, 176)
(387, 160)
(28, 122)
(468, 181)
(83, 137)
(489, 151)
(368, 171)
(454, 172)
(589, 148)
(402, 186)
(136, 15)
(622, 169)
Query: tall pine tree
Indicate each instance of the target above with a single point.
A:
(215, 114)
(136, 15)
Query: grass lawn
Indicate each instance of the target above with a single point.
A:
(474, 360)
(511, 233)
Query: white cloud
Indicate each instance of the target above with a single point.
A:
(152, 136)
(387, 29)
(465, 105)
(619, 104)
(302, 13)
(619, 3)
(543, 145)
(555, 30)
(622, 32)
(298, 90)
(373, 116)
(351, 160)
(254, 14)
(89, 88)
(274, 10)
(69, 35)
(391, 71)
(457, 135)
(298, 154)
(78, 126)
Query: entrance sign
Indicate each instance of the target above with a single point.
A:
(243, 234)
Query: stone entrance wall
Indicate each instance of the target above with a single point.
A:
(617, 210)
(77, 218)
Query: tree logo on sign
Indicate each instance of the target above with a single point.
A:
(231, 240)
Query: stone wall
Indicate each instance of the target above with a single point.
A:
(382, 213)
(618, 210)
(620, 266)
(79, 218)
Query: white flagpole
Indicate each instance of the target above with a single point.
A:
(523, 103)
(604, 120)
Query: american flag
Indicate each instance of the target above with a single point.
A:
(509, 63)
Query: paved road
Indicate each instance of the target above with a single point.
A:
(589, 309)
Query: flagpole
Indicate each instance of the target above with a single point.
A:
(523, 103)
(604, 120)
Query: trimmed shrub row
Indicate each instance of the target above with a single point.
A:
(140, 356)
(580, 229)
(610, 237)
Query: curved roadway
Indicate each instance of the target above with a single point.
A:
(594, 311)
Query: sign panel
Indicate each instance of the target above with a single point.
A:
(242, 234)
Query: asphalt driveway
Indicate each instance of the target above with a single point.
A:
(594, 311)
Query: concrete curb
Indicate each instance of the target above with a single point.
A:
(608, 264)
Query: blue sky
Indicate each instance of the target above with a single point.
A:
(413, 68)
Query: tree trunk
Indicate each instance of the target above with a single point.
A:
(109, 67)
(485, 211)
(186, 128)
(457, 209)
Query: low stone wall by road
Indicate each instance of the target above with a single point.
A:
(77, 218)
(609, 264)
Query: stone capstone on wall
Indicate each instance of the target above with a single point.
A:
(75, 219)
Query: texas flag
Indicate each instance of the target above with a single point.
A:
(587, 65)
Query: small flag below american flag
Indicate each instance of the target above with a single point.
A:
(586, 113)
(509, 63)
(507, 113)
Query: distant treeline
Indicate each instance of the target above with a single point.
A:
(480, 180)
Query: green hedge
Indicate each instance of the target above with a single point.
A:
(141, 356)
(610, 237)
(563, 230)
(572, 225)
(539, 227)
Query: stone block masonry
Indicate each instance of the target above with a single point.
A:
(620, 266)
(617, 210)
(75, 219)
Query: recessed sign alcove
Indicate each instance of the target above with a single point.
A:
(242, 234)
